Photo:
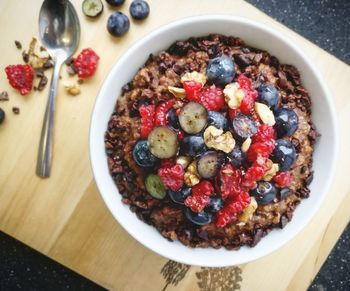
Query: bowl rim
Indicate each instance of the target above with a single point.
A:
(314, 71)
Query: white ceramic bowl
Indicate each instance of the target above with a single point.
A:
(256, 35)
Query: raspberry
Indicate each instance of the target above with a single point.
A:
(197, 203)
(250, 94)
(192, 89)
(262, 149)
(167, 163)
(264, 133)
(86, 63)
(20, 77)
(172, 177)
(232, 113)
(161, 112)
(147, 119)
(203, 188)
(229, 181)
(232, 209)
(180, 135)
(200, 196)
(282, 179)
(212, 98)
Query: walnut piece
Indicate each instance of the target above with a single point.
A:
(194, 76)
(72, 89)
(179, 93)
(215, 138)
(271, 172)
(183, 161)
(233, 95)
(248, 211)
(191, 177)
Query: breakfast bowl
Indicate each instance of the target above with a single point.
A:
(255, 35)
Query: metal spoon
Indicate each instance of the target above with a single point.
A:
(59, 31)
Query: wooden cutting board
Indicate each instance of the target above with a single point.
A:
(65, 218)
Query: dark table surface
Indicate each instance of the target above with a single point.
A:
(327, 24)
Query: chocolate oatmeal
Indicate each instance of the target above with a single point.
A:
(212, 142)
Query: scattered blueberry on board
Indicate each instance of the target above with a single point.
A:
(118, 24)
(221, 70)
(115, 2)
(139, 9)
(2, 116)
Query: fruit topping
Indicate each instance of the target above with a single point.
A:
(216, 139)
(265, 113)
(118, 24)
(236, 157)
(142, 156)
(246, 144)
(85, 64)
(162, 142)
(193, 117)
(243, 126)
(139, 9)
(283, 179)
(250, 94)
(229, 181)
(212, 98)
(198, 218)
(233, 95)
(193, 145)
(92, 8)
(216, 203)
(194, 76)
(20, 77)
(271, 172)
(264, 192)
(220, 70)
(268, 95)
(171, 119)
(180, 196)
(208, 165)
(160, 117)
(264, 133)
(172, 177)
(192, 89)
(286, 122)
(284, 154)
(191, 176)
(200, 196)
(183, 161)
(260, 149)
(147, 119)
(254, 173)
(155, 186)
(248, 211)
(233, 208)
(218, 120)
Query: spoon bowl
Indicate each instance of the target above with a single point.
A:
(59, 31)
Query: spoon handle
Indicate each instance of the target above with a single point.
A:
(43, 167)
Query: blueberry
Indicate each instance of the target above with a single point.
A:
(286, 122)
(264, 192)
(268, 95)
(216, 203)
(2, 115)
(180, 196)
(172, 119)
(139, 9)
(221, 70)
(118, 24)
(200, 218)
(115, 2)
(243, 126)
(217, 119)
(284, 154)
(142, 156)
(237, 157)
(193, 145)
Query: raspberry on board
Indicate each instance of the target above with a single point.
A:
(20, 77)
(161, 112)
(212, 98)
(192, 89)
(86, 63)
(147, 119)
(172, 177)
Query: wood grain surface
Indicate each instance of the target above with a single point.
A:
(64, 216)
